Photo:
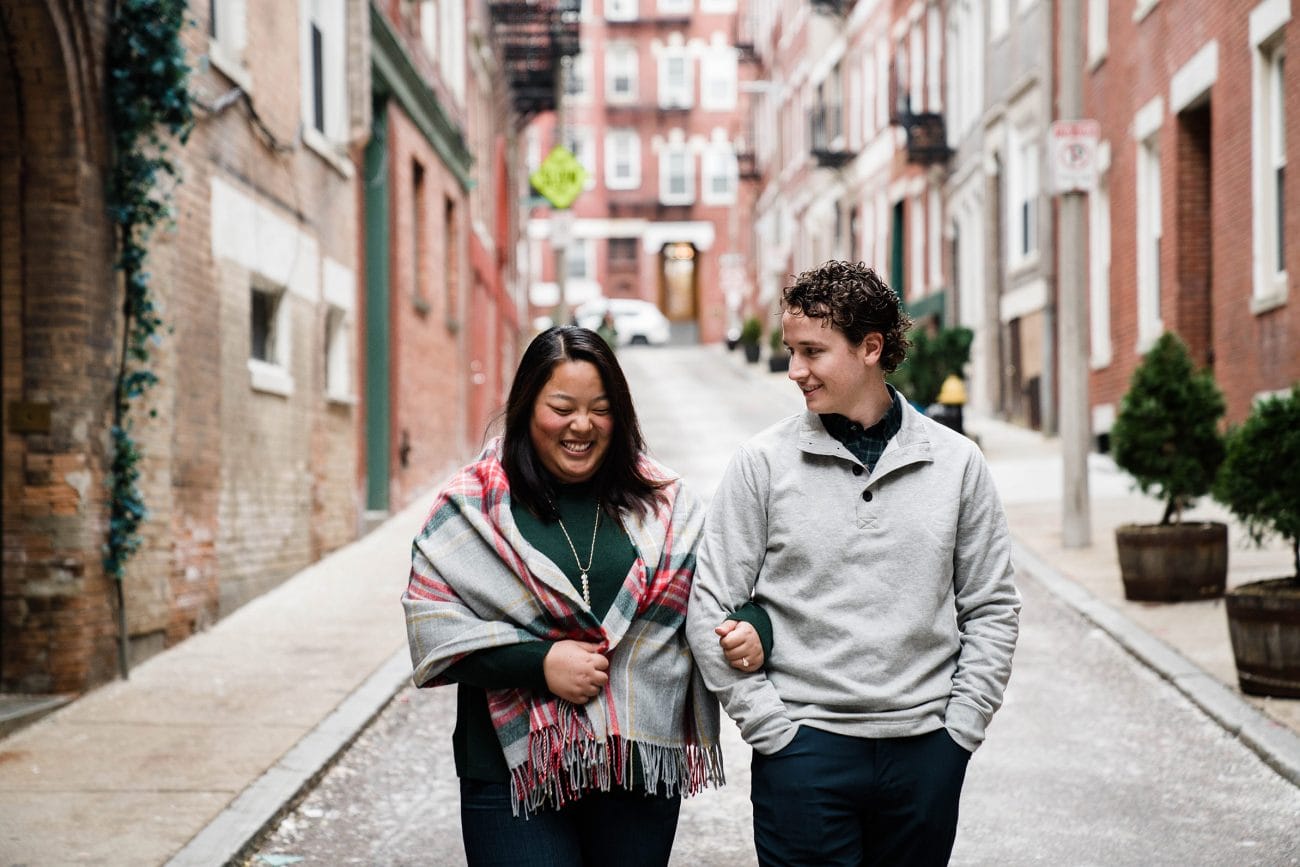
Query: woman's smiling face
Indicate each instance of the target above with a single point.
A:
(571, 422)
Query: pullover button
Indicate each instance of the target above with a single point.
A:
(866, 495)
(857, 470)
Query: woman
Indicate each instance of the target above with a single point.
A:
(550, 583)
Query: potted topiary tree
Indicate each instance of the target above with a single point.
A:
(751, 332)
(1166, 436)
(1260, 484)
(778, 361)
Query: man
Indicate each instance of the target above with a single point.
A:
(875, 541)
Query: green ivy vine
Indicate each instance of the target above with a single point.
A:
(149, 103)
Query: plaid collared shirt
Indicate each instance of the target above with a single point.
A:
(867, 444)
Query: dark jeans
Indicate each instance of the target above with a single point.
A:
(616, 828)
(828, 799)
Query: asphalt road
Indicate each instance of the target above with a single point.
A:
(1093, 760)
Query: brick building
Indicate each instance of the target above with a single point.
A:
(655, 111)
(286, 408)
(1191, 223)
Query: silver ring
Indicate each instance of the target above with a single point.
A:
(744, 661)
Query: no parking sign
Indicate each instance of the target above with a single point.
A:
(1073, 155)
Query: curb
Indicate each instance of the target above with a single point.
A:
(226, 837)
(1275, 744)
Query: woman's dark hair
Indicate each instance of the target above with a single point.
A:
(619, 477)
(853, 298)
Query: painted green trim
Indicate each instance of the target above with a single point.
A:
(930, 305)
(378, 338)
(395, 75)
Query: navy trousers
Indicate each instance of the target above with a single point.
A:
(836, 801)
(617, 828)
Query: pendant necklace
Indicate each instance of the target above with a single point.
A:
(591, 555)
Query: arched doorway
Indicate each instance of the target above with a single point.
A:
(57, 333)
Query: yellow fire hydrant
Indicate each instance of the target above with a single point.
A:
(947, 409)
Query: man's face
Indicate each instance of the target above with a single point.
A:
(834, 375)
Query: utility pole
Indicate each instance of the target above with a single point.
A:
(1072, 309)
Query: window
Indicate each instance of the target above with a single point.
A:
(419, 253)
(620, 10)
(676, 176)
(451, 29)
(623, 254)
(673, 7)
(429, 28)
(675, 84)
(268, 339)
(933, 59)
(999, 17)
(1098, 27)
(337, 356)
(935, 241)
(324, 69)
(451, 253)
(1149, 231)
(718, 80)
(264, 327)
(1268, 122)
(720, 175)
(576, 255)
(1024, 199)
(622, 159)
(577, 79)
(227, 31)
(621, 63)
(1099, 274)
(582, 142)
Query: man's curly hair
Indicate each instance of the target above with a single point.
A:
(852, 298)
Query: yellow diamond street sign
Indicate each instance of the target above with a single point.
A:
(559, 178)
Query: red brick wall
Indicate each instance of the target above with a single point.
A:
(1252, 352)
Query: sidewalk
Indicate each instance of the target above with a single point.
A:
(208, 742)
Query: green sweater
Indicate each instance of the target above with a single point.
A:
(474, 742)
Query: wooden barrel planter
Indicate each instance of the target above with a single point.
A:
(1264, 622)
(1173, 562)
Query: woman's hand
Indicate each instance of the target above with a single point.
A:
(740, 645)
(575, 671)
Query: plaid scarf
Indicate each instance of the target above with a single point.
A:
(477, 583)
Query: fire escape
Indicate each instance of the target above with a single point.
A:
(534, 38)
(927, 142)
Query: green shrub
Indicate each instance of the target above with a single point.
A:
(930, 360)
(1260, 478)
(752, 331)
(1166, 434)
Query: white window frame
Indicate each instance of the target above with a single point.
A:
(718, 163)
(674, 7)
(1099, 258)
(999, 18)
(580, 259)
(578, 81)
(718, 75)
(916, 242)
(676, 154)
(338, 355)
(622, 147)
(272, 374)
(1142, 8)
(1098, 30)
(717, 6)
(1024, 199)
(227, 39)
(429, 28)
(581, 141)
(675, 94)
(933, 60)
(934, 241)
(620, 10)
(1150, 231)
(1268, 152)
(329, 18)
(622, 60)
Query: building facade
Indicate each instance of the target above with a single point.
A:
(654, 111)
(1191, 228)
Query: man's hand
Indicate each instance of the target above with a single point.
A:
(740, 645)
(575, 671)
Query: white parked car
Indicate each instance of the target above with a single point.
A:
(636, 321)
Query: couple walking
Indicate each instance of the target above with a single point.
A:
(848, 599)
